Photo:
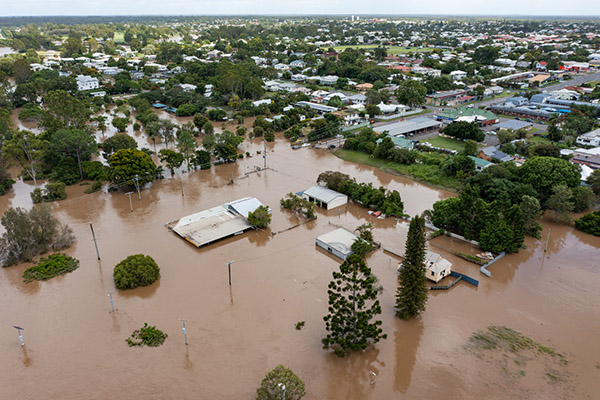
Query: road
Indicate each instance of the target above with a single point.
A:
(577, 80)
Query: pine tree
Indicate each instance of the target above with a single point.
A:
(411, 296)
(349, 320)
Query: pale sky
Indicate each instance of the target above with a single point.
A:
(298, 7)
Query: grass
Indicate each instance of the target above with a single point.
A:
(53, 265)
(446, 143)
(497, 336)
(428, 174)
(539, 139)
(391, 50)
(119, 37)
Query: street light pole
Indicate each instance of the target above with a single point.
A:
(112, 304)
(229, 268)
(19, 329)
(94, 237)
(282, 386)
(184, 331)
(130, 203)
(137, 186)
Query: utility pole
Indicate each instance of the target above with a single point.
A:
(282, 386)
(547, 239)
(265, 155)
(130, 203)
(112, 304)
(19, 329)
(184, 331)
(137, 186)
(229, 268)
(181, 184)
(95, 243)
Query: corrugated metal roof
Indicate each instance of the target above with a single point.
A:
(340, 239)
(411, 125)
(323, 194)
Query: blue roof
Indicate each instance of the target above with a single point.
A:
(159, 105)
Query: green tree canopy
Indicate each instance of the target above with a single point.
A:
(118, 142)
(136, 270)
(272, 386)
(126, 164)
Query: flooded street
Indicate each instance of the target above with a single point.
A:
(75, 349)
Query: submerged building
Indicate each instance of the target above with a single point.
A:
(216, 223)
(337, 242)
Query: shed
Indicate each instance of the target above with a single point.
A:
(324, 197)
(338, 242)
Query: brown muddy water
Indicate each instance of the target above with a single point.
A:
(75, 348)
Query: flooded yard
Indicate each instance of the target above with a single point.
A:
(76, 349)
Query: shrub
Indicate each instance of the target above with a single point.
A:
(52, 192)
(97, 185)
(53, 265)
(136, 270)
(589, 223)
(147, 336)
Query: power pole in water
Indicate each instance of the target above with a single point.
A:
(137, 186)
(19, 329)
(130, 203)
(184, 331)
(94, 237)
(112, 304)
(181, 184)
(265, 155)
(229, 268)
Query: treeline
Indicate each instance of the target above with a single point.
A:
(388, 202)
(503, 202)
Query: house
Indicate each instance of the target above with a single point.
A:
(458, 75)
(85, 82)
(349, 116)
(188, 87)
(257, 103)
(358, 99)
(517, 101)
(324, 197)
(440, 98)
(298, 77)
(590, 139)
(491, 153)
(363, 87)
(338, 242)
(320, 108)
(592, 162)
(436, 267)
(540, 79)
(329, 80)
(541, 66)
(480, 164)
(297, 64)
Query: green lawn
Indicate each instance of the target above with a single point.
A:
(446, 143)
(428, 174)
(392, 50)
(539, 139)
(119, 37)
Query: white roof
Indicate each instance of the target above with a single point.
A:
(340, 239)
(244, 206)
(585, 172)
(323, 194)
(436, 263)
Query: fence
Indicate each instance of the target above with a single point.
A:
(484, 269)
(398, 115)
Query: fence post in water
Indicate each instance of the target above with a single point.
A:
(94, 237)
(547, 239)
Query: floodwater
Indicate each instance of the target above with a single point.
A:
(76, 349)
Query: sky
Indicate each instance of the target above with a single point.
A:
(299, 7)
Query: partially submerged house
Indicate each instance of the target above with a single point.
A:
(337, 242)
(216, 223)
(436, 267)
(324, 197)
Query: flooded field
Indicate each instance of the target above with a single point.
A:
(75, 348)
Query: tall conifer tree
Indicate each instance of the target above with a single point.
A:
(411, 296)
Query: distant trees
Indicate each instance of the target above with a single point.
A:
(118, 142)
(411, 92)
(29, 233)
(126, 164)
(26, 150)
(560, 203)
(532, 212)
(411, 296)
(73, 144)
(136, 270)
(352, 306)
(464, 130)
(171, 158)
(63, 111)
(278, 381)
(543, 173)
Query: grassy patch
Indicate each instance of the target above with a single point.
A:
(53, 265)
(392, 50)
(539, 139)
(497, 336)
(426, 173)
(446, 143)
(119, 37)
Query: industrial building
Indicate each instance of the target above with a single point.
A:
(409, 127)
(216, 223)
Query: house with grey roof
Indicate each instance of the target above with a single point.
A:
(324, 197)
